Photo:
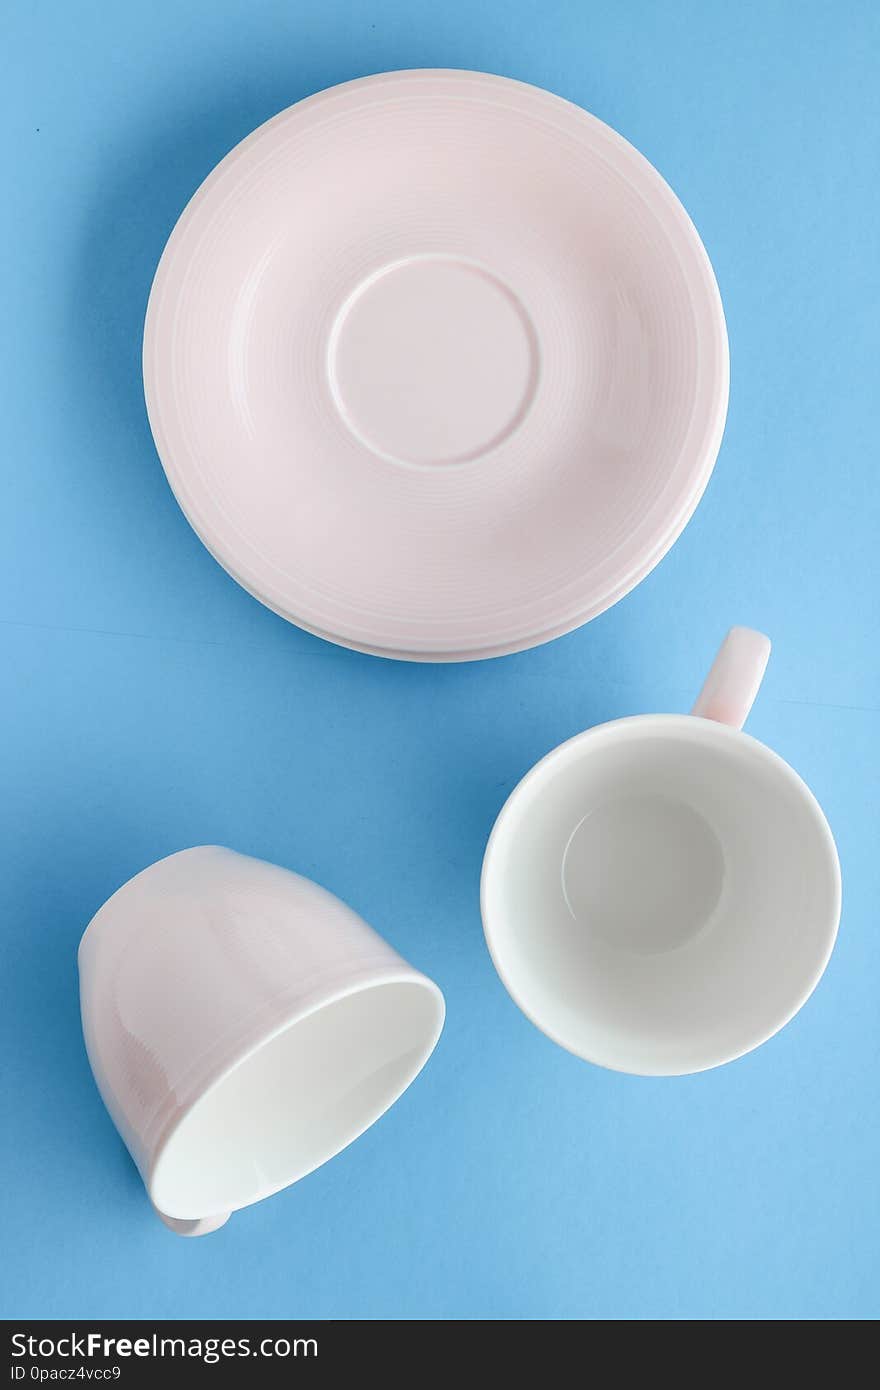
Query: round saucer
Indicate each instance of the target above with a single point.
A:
(436, 365)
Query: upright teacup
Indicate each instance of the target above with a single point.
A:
(661, 894)
(243, 1026)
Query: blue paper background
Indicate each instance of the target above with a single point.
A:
(147, 703)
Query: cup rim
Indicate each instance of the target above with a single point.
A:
(685, 726)
(406, 975)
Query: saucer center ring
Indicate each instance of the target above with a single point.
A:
(432, 360)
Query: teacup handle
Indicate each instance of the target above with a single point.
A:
(202, 1227)
(735, 675)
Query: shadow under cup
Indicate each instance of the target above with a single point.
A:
(661, 894)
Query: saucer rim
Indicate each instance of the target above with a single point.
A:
(226, 554)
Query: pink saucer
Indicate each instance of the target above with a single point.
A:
(436, 365)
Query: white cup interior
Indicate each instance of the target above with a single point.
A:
(661, 894)
(297, 1099)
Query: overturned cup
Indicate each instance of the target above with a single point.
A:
(243, 1026)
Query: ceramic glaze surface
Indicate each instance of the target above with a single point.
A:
(661, 894)
(436, 365)
(433, 361)
(243, 1026)
(642, 870)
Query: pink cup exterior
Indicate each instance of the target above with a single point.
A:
(196, 961)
